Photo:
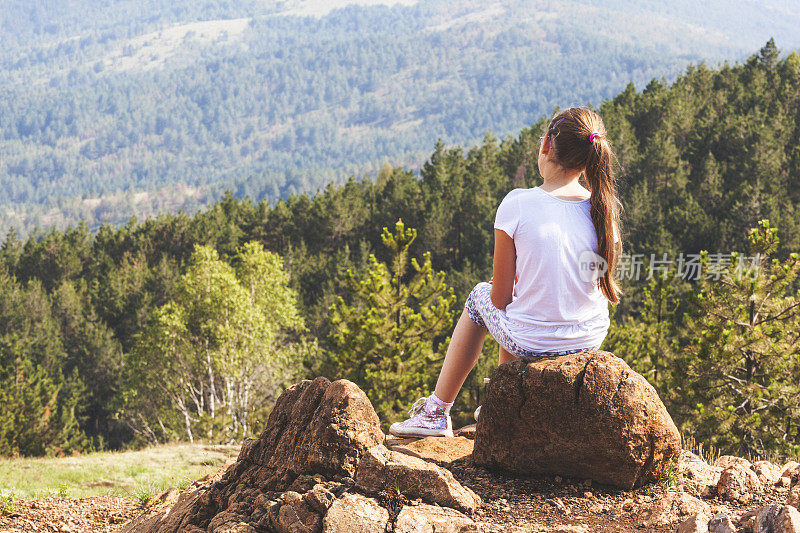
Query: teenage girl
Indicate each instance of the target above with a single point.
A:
(561, 243)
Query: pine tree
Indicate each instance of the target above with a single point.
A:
(384, 340)
(737, 379)
(648, 341)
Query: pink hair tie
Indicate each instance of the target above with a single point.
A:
(593, 135)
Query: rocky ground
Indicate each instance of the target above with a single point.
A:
(552, 503)
(509, 503)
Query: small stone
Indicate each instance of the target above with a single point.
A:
(793, 498)
(424, 517)
(767, 472)
(789, 520)
(628, 505)
(696, 523)
(721, 524)
(382, 469)
(588, 495)
(598, 508)
(697, 477)
(557, 479)
(777, 519)
(580, 528)
(559, 504)
(738, 483)
(672, 507)
(790, 468)
(355, 514)
(319, 498)
(725, 461)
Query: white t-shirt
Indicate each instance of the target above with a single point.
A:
(556, 305)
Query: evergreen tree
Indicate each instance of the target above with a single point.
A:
(735, 385)
(384, 340)
(649, 340)
(38, 414)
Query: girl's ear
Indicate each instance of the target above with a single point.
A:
(546, 144)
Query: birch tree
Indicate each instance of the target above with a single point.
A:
(213, 354)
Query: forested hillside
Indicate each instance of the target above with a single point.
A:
(144, 332)
(155, 106)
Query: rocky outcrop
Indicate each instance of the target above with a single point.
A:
(586, 415)
(319, 466)
(322, 465)
(316, 427)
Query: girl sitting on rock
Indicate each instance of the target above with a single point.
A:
(556, 249)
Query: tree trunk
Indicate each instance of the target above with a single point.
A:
(212, 405)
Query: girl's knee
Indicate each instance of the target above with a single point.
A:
(472, 310)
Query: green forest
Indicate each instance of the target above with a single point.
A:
(183, 327)
(149, 107)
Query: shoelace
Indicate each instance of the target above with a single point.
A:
(417, 407)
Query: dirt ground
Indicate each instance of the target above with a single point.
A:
(544, 503)
(69, 515)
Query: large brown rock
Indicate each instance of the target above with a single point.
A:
(316, 427)
(586, 415)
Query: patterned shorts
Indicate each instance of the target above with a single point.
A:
(482, 311)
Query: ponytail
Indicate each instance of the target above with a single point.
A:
(579, 140)
(605, 212)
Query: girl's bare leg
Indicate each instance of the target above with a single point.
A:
(504, 356)
(462, 354)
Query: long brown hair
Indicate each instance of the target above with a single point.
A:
(578, 138)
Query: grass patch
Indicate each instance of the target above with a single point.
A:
(138, 475)
(8, 501)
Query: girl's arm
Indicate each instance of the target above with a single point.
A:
(505, 266)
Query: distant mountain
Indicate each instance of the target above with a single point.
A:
(109, 110)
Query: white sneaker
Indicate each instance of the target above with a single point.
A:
(427, 420)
